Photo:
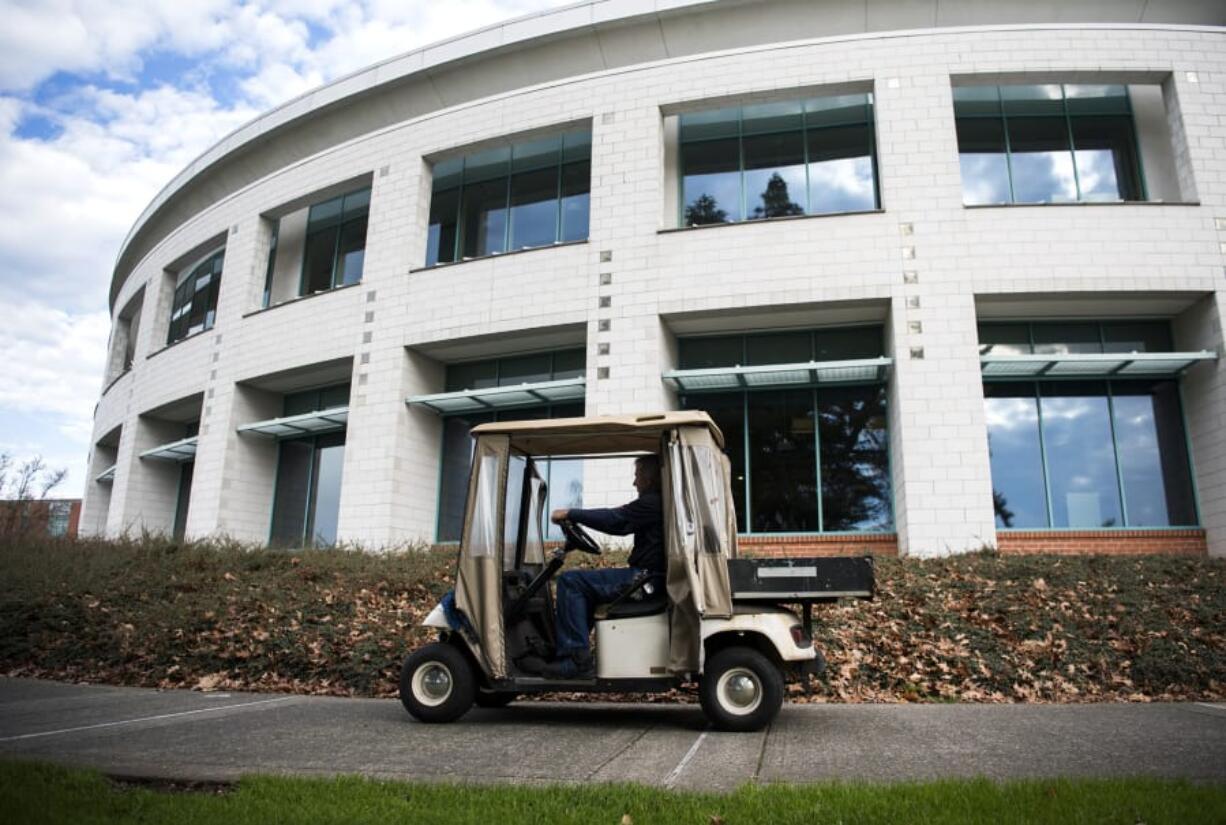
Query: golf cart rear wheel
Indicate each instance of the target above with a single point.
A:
(495, 698)
(741, 690)
(437, 684)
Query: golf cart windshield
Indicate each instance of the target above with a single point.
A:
(504, 517)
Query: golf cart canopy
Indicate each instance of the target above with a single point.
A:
(597, 434)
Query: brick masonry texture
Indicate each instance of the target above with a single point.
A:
(1103, 542)
(381, 332)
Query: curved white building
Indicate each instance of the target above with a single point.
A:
(948, 274)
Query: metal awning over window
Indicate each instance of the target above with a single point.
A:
(1091, 365)
(770, 376)
(293, 426)
(503, 398)
(182, 450)
(106, 476)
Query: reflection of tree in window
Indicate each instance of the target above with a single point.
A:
(854, 459)
(705, 209)
(776, 202)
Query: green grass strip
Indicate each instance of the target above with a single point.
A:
(39, 793)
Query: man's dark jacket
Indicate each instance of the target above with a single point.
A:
(644, 517)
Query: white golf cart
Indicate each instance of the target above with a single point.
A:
(717, 617)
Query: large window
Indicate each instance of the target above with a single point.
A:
(335, 248)
(513, 197)
(306, 504)
(1047, 144)
(774, 160)
(1086, 454)
(563, 477)
(811, 459)
(194, 307)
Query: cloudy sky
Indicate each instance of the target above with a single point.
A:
(101, 103)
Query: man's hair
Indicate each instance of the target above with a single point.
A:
(651, 467)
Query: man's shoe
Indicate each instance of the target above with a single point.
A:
(576, 666)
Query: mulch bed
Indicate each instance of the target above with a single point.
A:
(978, 628)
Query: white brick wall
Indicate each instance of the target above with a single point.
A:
(940, 465)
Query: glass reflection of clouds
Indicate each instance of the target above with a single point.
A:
(843, 185)
(1114, 457)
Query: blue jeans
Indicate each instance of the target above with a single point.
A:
(579, 592)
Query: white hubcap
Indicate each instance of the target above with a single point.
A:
(432, 684)
(739, 691)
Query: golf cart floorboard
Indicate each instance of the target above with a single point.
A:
(531, 684)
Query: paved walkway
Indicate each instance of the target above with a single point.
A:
(221, 736)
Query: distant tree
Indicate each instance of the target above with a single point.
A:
(1002, 510)
(704, 209)
(776, 203)
(23, 486)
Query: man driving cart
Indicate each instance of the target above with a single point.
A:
(580, 591)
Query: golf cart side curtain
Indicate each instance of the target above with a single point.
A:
(700, 537)
(479, 580)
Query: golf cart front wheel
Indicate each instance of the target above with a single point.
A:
(741, 690)
(437, 684)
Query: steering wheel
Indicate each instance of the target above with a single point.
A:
(577, 538)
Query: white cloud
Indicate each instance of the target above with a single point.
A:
(70, 193)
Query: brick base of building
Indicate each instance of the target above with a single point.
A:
(875, 544)
(1189, 542)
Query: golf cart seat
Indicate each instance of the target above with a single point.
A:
(649, 605)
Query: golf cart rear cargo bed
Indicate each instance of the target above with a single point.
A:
(801, 579)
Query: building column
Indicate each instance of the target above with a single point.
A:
(1203, 390)
(939, 458)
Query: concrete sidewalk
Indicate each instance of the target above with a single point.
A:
(221, 736)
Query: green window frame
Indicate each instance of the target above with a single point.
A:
(193, 308)
(334, 249)
(530, 194)
(819, 124)
(1058, 115)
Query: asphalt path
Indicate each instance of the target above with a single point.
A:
(187, 735)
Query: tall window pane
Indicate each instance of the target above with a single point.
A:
(289, 514)
(351, 253)
(318, 260)
(1042, 160)
(576, 200)
(1105, 151)
(183, 498)
(711, 181)
(444, 228)
(534, 193)
(1018, 497)
(984, 161)
(1080, 455)
(855, 466)
(783, 486)
(1153, 454)
(326, 489)
(841, 177)
(484, 217)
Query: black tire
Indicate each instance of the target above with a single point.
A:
(437, 684)
(741, 690)
(495, 698)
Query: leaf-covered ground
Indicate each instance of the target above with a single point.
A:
(976, 628)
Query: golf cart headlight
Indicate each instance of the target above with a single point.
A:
(799, 637)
